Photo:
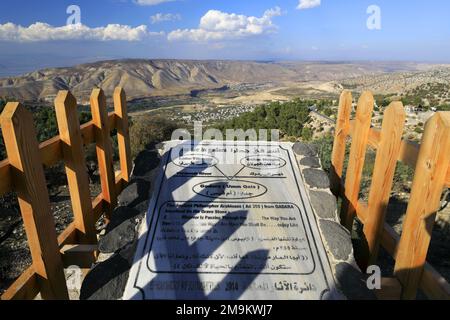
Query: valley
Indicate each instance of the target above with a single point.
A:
(215, 90)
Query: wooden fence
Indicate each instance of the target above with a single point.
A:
(23, 173)
(430, 159)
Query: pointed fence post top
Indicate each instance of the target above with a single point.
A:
(98, 99)
(345, 106)
(98, 108)
(67, 117)
(65, 98)
(17, 124)
(345, 95)
(97, 94)
(365, 105)
(443, 117)
(120, 102)
(14, 111)
(437, 128)
(395, 109)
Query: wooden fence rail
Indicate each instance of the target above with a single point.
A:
(23, 173)
(431, 161)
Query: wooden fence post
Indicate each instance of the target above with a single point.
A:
(29, 183)
(340, 138)
(383, 177)
(123, 135)
(357, 158)
(428, 184)
(104, 148)
(75, 162)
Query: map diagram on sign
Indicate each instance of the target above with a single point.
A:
(230, 220)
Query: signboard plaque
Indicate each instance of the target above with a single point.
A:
(228, 221)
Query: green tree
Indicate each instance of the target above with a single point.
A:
(307, 134)
(324, 146)
(148, 130)
(444, 107)
(288, 117)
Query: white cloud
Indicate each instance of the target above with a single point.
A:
(40, 31)
(217, 25)
(151, 2)
(161, 17)
(308, 4)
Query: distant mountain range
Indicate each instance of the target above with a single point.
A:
(146, 78)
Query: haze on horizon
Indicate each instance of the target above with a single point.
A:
(293, 30)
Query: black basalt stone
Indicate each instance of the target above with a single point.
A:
(316, 178)
(352, 283)
(304, 150)
(324, 204)
(145, 162)
(337, 238)
(121, 231)
(107, 280)
(135, 193)
(311, 162)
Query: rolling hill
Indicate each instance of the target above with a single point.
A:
(146, 78)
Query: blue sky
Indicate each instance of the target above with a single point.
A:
(221, 29)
